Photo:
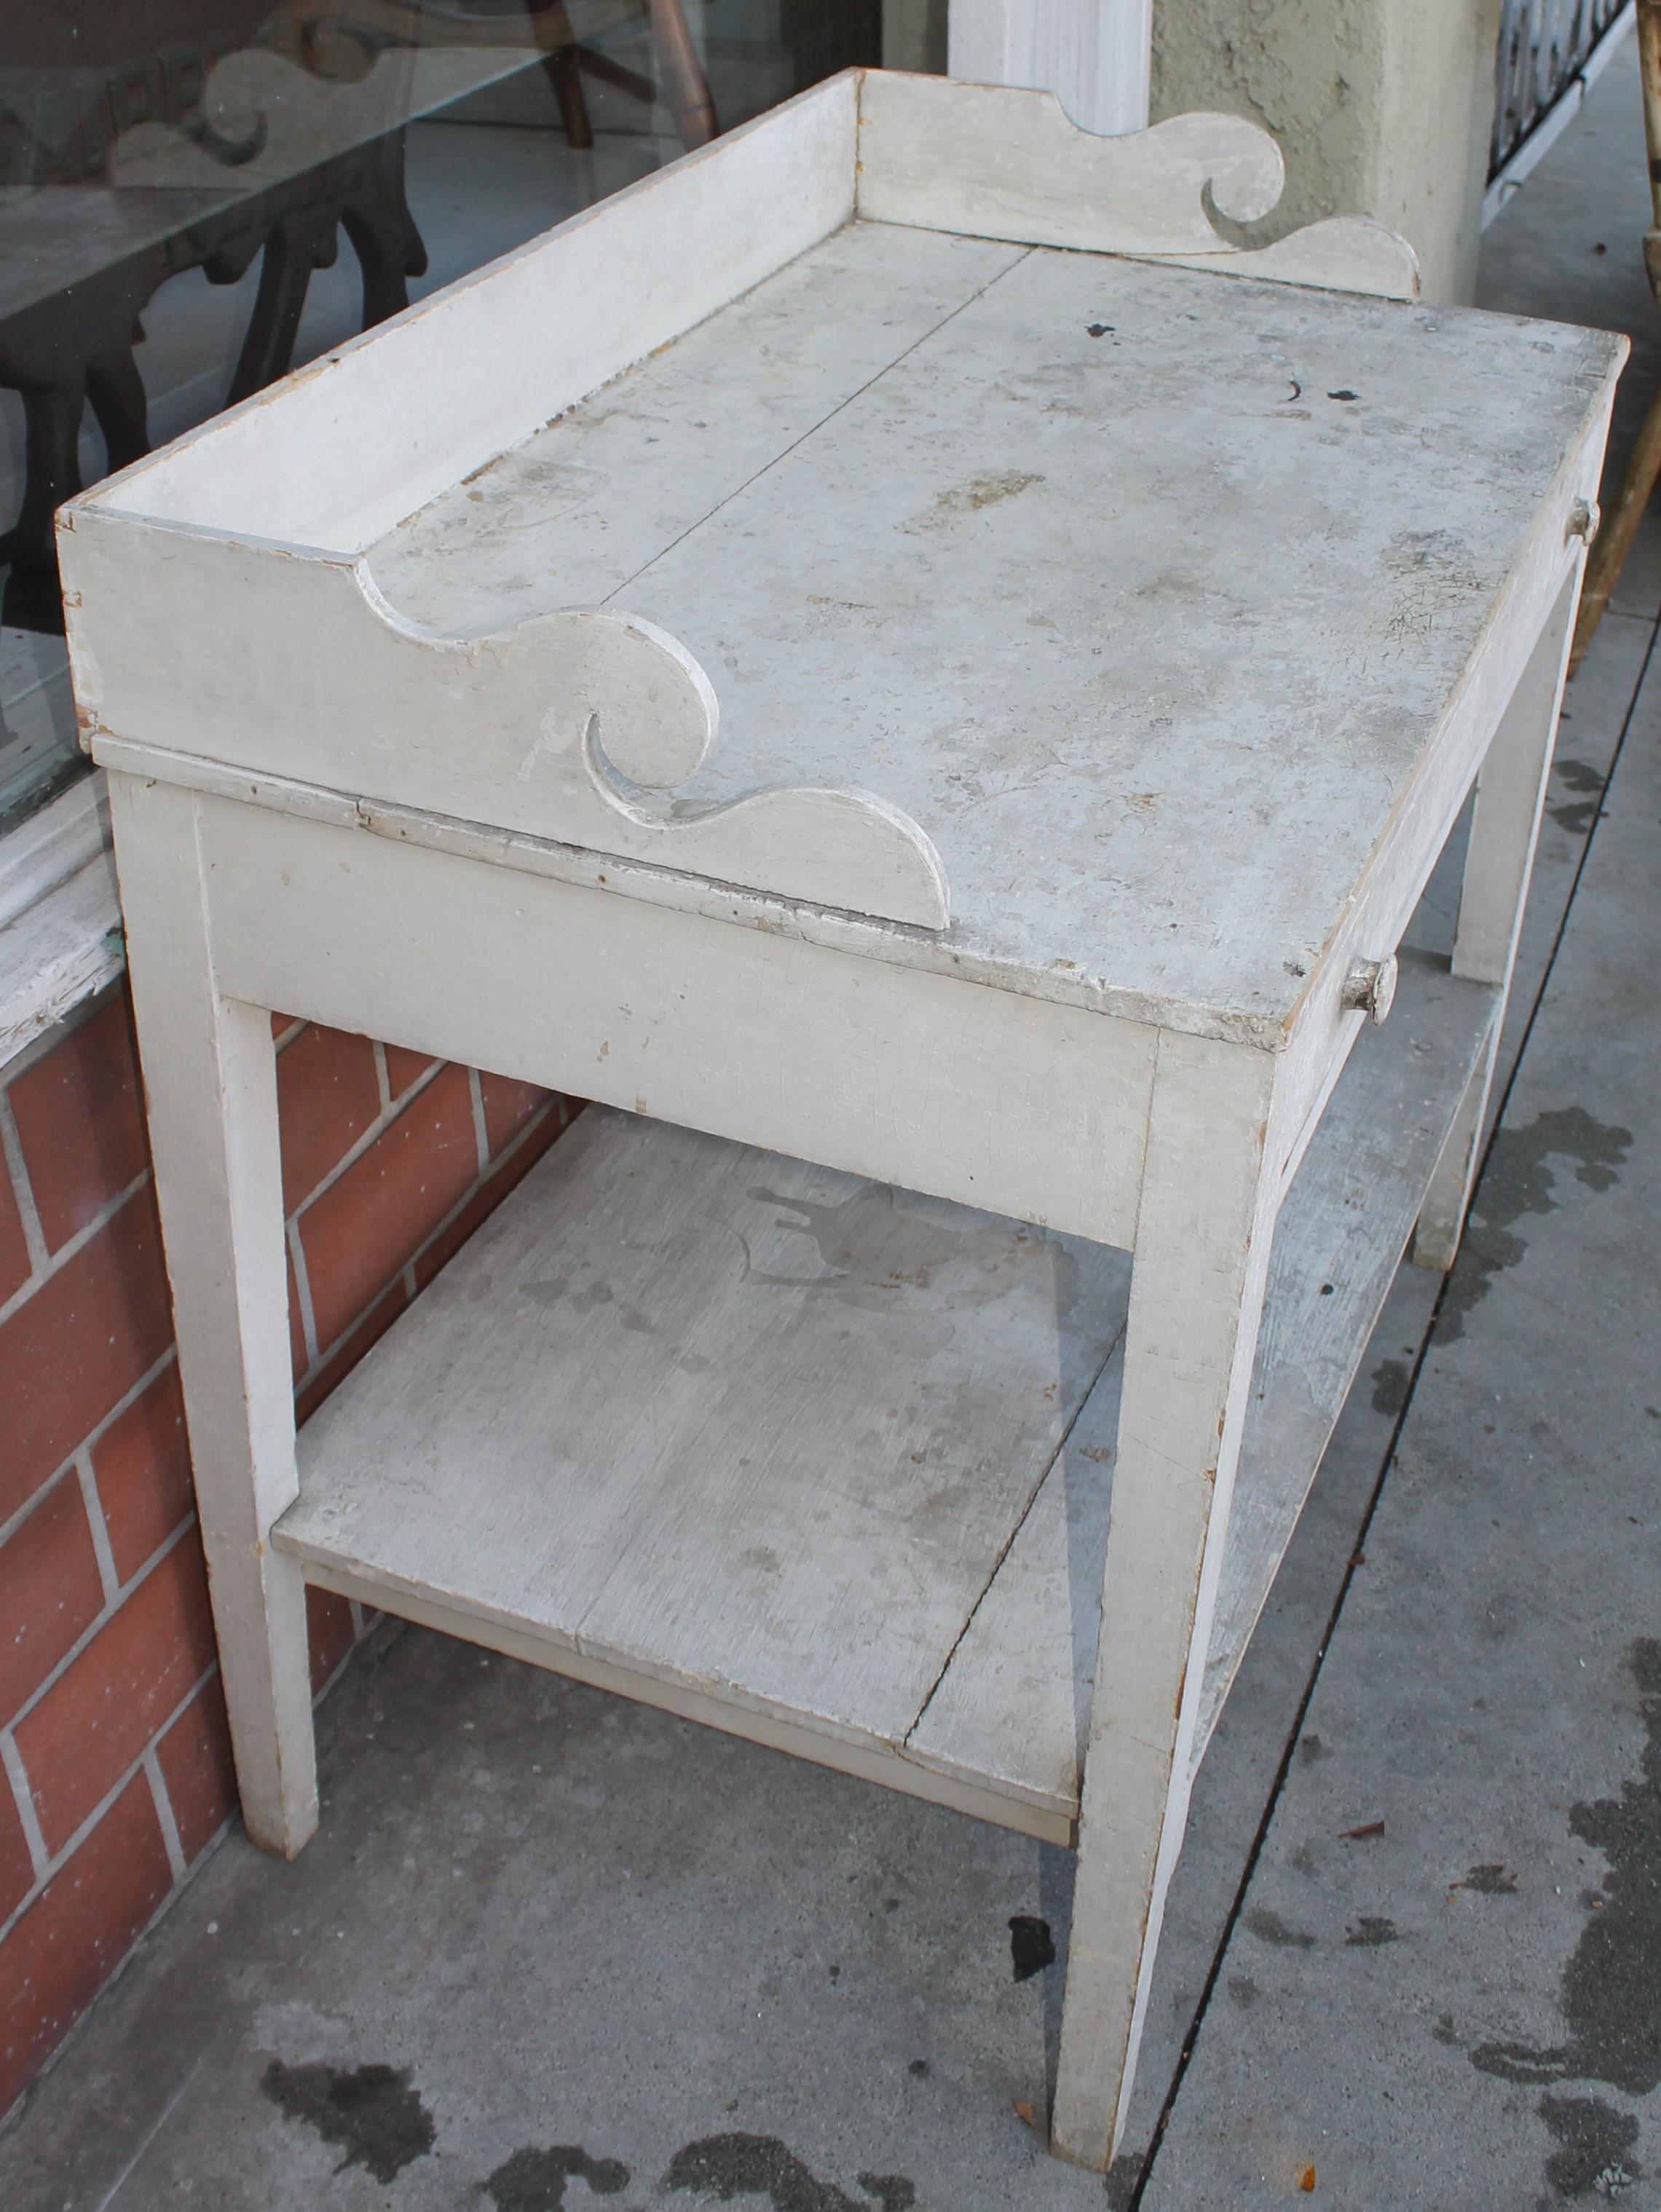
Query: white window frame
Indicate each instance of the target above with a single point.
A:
(60, 920)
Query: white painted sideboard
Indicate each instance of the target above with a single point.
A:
(897, 662)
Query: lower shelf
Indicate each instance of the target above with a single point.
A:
(825, 1463)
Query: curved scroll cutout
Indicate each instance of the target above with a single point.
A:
(1000, 162)
(829, 846)
(499, 731)
(569, 705)
(1343, 253)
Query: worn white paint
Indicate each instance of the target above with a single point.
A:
(527, 729)
(727, 1423)
(912, 606)
(1511, 793)
(1203, 1247)
(986, 1096)
(1342, 1228)
(1119, 597)
(1342, 254)
(210, 1087)
(647, 264)
(1011, 1712)
(60, 923)
(996, 162)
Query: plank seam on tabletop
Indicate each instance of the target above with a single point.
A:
(1237, 1905)
(1049, 1465)
(813, 430)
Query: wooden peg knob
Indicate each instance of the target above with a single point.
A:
(1370, 988)
(1584, 518)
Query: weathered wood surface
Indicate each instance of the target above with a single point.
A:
(1007, 454)
(1173, 616)
(987, 1098)
(719, 1419)
(1342, 254)
(1510, 791)
(476, 367)
(998, 517)
(573, 725)
(1013, 1706)
(1000, 162)
(210, 1084)
(553, 1409)
(994, 162)
(1343, 1226)
(1203, 1237)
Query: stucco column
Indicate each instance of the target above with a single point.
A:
(1382, 108)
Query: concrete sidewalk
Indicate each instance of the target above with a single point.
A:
(550, 1947)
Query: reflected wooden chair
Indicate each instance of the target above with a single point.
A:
(317, 33)
(1608, 554)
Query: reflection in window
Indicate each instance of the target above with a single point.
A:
(197, 195)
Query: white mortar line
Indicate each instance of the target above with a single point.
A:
(164, 1813)
(61, 1258)
(303, 1285)
(17, 1774)
(53, 1865)
(105, 1616)
(11, 1145)
(100, 1534)
(88, 1443)
(476, 1092)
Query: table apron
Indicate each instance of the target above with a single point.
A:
(1324, 1032)
(1018, 1105)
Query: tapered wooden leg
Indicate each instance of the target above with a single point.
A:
(210, 1077)
(1511, 790)
(298, 244)
(51, 470)
(685, 88)
(1203, 1232)
(1609, 555)
(377, 220)
(117, 392)
(564, 74)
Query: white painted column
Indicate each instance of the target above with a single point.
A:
(1092, 54)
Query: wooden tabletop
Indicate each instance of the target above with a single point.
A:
(1141, 589)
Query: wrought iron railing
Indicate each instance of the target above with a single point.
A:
(1543, 45)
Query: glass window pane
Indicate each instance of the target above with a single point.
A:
(197, 195)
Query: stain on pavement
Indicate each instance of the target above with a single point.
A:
(1370, 1931)
(533, 2180)
(1611, 1988)
(1594, 2143)
(1270, 1928)
(1390, 1386)
(1577, 815)
(369, 2113)
(723, 2167)
(1519, 1180)
(1032, 1946)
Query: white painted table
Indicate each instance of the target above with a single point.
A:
(919, 1359)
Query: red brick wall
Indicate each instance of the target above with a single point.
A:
(117, 1766)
